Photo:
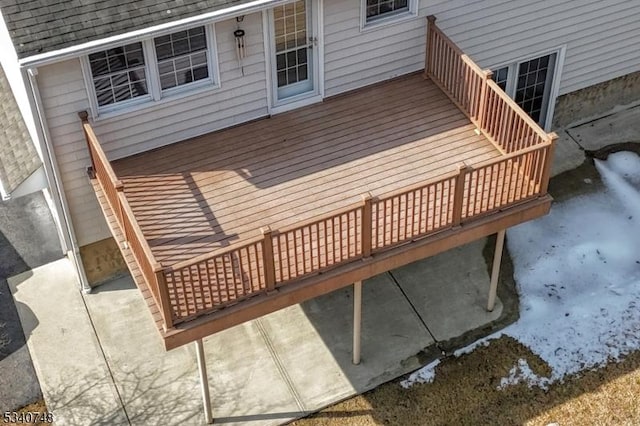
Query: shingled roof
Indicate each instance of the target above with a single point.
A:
(18, 156)
(40, 26)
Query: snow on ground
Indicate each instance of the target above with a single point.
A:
(425, 375)
(578, 276)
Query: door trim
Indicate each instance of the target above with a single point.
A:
(560, 52)
(273, 106)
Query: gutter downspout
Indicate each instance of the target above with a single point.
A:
(70, 244)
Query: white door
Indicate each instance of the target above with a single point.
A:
(294, 51)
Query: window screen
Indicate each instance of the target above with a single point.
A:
(182, 57)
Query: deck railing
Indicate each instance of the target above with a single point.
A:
(278, 257)
(377, 224)
(113, 190)
(499, 118)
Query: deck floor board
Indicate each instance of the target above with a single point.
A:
(217, 190)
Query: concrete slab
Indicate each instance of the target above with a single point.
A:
(159, 387)
(248, 385)
(109, 366)
(624, 126)
(449, 291)
(316, 336)
(74, 376)
(568, 154)
(27, 239)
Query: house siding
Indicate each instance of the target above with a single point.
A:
(599, 38)
(355, 58)
(239, 99)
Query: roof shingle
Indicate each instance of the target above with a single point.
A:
(18, 156)
(40, 26)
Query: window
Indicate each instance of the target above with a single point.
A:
(378, 8)
(378, 11)
(119, 74)
(529, 83)
(182, 57)
(500, 77)
(150, 69)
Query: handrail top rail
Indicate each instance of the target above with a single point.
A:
(93, 140)
(118, 185)
(211, 255)
(492, 84)
(138, 232)
(433, 181)
(318, 218)
(512, 155)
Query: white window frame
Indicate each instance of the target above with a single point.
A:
(91, 89)
(560, 52)
(156, 95)
(392, 18)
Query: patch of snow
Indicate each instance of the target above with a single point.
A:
(523, 373)
(626, 165)
(480, 342)
(578, 277)
(424, 375)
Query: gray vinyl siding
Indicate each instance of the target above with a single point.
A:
(355, 58)
(239, 99)
(600, 36)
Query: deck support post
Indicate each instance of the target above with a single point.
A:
(495, 270)
(204, 381)
(357, 320)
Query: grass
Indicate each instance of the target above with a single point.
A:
(4, 337)
(36, 407)
(465, 392)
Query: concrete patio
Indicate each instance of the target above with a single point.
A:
(100, 361)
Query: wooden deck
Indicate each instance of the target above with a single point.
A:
(218, 190)
(235, 224)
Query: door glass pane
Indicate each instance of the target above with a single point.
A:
(534, 86)
(292, 43)
(501, 76)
